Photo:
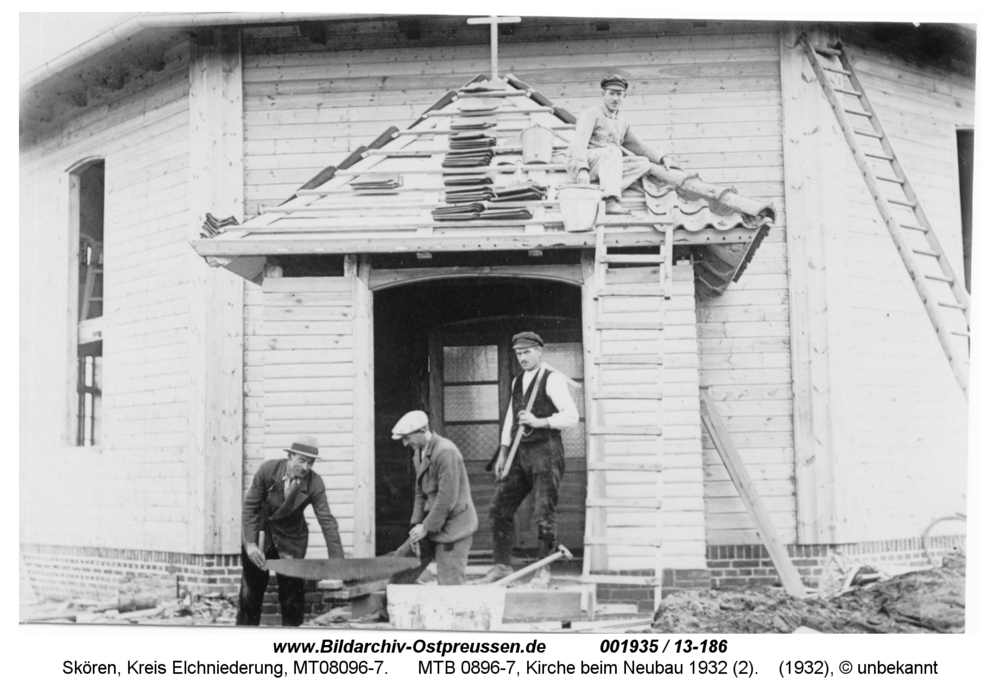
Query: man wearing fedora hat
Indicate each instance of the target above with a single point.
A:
(539, 462)
(274, 527)
(602, 134)
(444, 516)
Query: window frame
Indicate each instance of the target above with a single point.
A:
(86, 335)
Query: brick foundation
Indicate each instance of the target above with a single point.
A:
(77, 572)
(642, 597)
(68, 572)
(749, 565)
(731, 566)
(270, 612)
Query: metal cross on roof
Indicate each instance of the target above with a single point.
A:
(494, 37)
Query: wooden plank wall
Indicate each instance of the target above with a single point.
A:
(709, 96)
(138, 476)
(301, 372)
(906, 418)
(680, 521)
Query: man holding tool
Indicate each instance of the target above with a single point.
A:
(602, 134)
(444, 516)
(531, 459)
(274, 527)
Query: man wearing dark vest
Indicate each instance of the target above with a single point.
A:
(538, 464)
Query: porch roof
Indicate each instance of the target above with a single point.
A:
(387, 197)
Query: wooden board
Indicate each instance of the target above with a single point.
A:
(716, 428)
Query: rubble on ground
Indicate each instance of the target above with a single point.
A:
(924, 601)
(208, 609)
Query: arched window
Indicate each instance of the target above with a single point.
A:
(87, 237)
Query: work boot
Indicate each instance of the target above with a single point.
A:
(613, 206)
(541, 578)
(497, 573)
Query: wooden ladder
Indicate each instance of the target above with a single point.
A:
(598, 502)
(939, 288)
(92, 260)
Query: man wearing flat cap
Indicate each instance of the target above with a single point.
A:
(274, 527)
(607, 150)
(537, 466)
(444, 516)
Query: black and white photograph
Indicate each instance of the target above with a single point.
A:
(481, 322)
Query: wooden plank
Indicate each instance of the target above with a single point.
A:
(364, 410)
(594, 521)
(552, 604)
(625, 430)
(216, 311)
(624, 503)
(629, 325)
(386, 278)
(623, 466)
(730, 456)
(620, 579)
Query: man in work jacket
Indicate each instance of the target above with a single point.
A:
(538, 464)
(272, 512)
(596, 152)
(444, 516)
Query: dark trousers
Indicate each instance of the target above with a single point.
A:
(536, 470)
(291, 594)
(451, 560)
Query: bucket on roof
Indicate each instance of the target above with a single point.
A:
(536, 145)
(579, 204)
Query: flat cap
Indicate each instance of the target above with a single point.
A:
(614, 80)
(411, 421)
(526, 339)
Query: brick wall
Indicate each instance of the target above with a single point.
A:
(731, 566)
(72, 572)
(673, 579)
(749, 565)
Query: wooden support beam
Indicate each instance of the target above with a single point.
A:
(215, 296)
(716, 429)
(364, 409)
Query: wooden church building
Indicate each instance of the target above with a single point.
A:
(274, 225)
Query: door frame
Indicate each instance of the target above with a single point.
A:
(498, 331)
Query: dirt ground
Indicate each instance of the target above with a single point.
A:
(918, 602)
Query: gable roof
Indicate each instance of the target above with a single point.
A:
(441, 184)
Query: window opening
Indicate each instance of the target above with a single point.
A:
(87, 219)
(965, 158)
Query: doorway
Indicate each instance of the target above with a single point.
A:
(443, 347)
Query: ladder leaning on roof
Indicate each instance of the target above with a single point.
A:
(913, 236)
(622, 268)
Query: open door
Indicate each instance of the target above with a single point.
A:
(471, 369)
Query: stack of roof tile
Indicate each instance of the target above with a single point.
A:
(458, 212)
(470, 193)
(525, 191)
(213, 226)
(379, 183)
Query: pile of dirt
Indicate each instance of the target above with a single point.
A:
(924, 601)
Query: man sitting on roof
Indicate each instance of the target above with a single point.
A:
(597, 150)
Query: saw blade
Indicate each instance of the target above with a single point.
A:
(354, 569)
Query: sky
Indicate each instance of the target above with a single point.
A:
(45, 36)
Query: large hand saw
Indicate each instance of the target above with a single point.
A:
(354, 569)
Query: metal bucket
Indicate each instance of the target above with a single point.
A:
(579, 204)
(449, 608)
(536, 145)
